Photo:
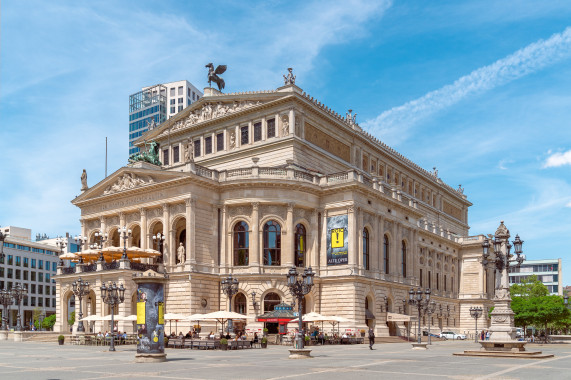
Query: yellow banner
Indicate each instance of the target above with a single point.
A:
(337, 238)
(141, 320)
(161, 313)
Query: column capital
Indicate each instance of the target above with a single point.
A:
(191, 201)
(351, 208)
(143, 211)
(290, 206)
(165, 207)
(255, 205)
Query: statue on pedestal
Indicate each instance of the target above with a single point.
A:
(181, 253)
(84, 181)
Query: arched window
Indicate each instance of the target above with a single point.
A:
(270, 301)
(386, 254)
(240, 303)
(365, 248)
(241, 244)
(272, 243)
(300, 246)
(403, 258)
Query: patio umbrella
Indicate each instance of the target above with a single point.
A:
(338, 320)
(222, 316)
(174, 317)
(132, 317)
(90, 318)
(69, 256)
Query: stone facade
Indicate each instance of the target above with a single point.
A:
(261, 167)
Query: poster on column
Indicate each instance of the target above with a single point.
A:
(337, 240)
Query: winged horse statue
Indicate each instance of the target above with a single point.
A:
(213, 75)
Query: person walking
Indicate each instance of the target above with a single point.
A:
(371, 338)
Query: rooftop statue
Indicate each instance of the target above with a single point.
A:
(213, 75)
(84, 181)
(150, 154)
(290, 78)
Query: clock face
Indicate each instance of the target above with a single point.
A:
(203, 302)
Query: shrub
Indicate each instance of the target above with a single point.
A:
(61, 337)
(264, 340)
(307, 339)
(223, 341)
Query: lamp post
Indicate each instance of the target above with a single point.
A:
(61, 243)
(230, 287)
(112, 295)
(125, 234)
(159, 239)
(18, 294)
(476, 312)
(299, 288)
(100, 239)
(502, 328)
(444, 313)
(5, 301)
(429, 310)
(415, 299)
(80, 240)
(80, 288)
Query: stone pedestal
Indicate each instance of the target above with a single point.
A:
(419, 346)
(150, 358)
(300, 353)
(502, 328)
(4, 335)
(18, 336)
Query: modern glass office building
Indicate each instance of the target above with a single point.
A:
(547, 271)
(153, 105)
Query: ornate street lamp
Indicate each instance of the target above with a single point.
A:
(18, 294)
(80, 240)
(125, 234)
(415, 299)
(501, 260)
(112, 295)
(299, 288)
(80, 288)
(230, 287)
(476, 312)
(100, 239)
(5, 301)
(61, 243)
(159, 239)
(429, 310)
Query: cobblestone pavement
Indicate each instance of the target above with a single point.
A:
(388, 361)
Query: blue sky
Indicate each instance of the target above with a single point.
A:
(479, 89)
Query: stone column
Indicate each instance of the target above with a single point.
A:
(144, 232)
(190, 231)
(84, 233)
(121, 219)
(224, 247)
(312, 248)
(353, 237)
(288, 244)
(394, 260)
(255, 238)
(359, 234)
(103, 228)
(323, 253)
(291, 122)
(376, 241)
(381, 230)
(166, 230)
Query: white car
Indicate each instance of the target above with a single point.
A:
(452, 335)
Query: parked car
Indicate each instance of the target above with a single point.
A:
(452, 335)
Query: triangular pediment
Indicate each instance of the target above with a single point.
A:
(127, 179)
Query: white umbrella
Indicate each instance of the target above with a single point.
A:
(173, 316)
(312, 317)
(195, 317)
(115, 318)
(92, 318)
(222, 316)
(132, 317)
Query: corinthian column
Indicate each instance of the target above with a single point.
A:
(255, 238)
(144, 232)
(287, 238)
(166, 228)
(190, 230)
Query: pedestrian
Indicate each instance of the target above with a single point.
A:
(487, 335)
(482, 335)
(371, 338)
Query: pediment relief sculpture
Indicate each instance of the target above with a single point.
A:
(128, 181)
(211, 111)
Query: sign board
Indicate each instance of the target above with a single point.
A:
(338, 240)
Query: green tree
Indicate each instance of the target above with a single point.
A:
(49, 322)
(36, 313)
(71, 319)
(549, 309)
(530, 287)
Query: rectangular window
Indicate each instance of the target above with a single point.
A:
(175, 154)
(173, 91)
(188, 90)
(180, 100)
(47, 293)
(257, 131)
(421, 278)
(271, 129)
(193, 95)
(244, 138)
(40, 277)
(2, 273)
(173, 102)
(444, 282)
(165, 156)
(54, 266)
(180, 108)
(32, 301)
(47, 277)
(437, 281)
(18, 261)
(10, 273)
(26, 301)
(173, 109)
(429, 279)
(25, 275)
(196, 148)
(33, 276)
(33, 288)
(40, 301)
(220, 141)
(40, 264)
(47, 302)
(33, 263)
(10, 260)
(18, 274)
(208, 145)
(40, 289)
(180, 90)
(452, 284)
(26, 262)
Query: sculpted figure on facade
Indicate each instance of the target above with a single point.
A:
(289, 78)
(181, 253)
(127, 181)
(189, 152)
(84, 181)
(285, 125)
(232, 140)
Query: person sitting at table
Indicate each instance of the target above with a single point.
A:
(180, 335)
(227, 336)
(344, 336)
(172, 335)
(100, 334)
(321, 338)
(188, 335)
(211, 335)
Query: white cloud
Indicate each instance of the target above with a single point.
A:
(558, 159)
(568, 204)
(391, 124)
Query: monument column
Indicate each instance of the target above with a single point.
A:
(359, 234)
(314, 243)
(255, 243)
(291, 122)
(353, 247)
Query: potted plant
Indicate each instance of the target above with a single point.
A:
(307, 340)
(224, 344)
(264, 343)
(265, 331)
(166, 341)
(362, 333)
(61, 339)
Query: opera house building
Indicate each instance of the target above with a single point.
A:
(253, 183)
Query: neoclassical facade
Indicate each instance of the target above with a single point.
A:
(254, 183)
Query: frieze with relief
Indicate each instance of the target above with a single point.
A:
(93, 223)
(128, 181)
(212, 110)
(155, 213)
(388, 225)
(240, 211)
(302, 213)
(451, 210)
(112, 221)
(326, 142)
(179, 208)
(133, 217)
(280, 211)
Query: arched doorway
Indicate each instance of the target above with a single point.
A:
(270, 301)
(157, 228)
(114, 238)
(369, 316)
(180, 237)
(136, 236)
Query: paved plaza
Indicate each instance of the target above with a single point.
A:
(389, 361)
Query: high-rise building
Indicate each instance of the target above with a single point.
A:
(154, 104)
(547, 271)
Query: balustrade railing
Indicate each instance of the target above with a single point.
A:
(203, 172)
(303, 176)
(238, 172)
(338, 177)
(277, 172)
(90, 268)
(143, 267)
(111, 265)
(70, 270)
